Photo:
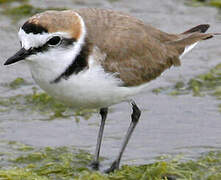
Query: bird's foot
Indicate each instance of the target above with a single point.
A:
(113, 167)
(95, 165)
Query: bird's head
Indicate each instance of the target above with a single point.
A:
(57, 35)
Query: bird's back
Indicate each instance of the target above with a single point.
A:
(136, 51)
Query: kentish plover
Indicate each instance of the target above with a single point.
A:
(94, 58)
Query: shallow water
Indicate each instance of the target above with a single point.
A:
(168, 125)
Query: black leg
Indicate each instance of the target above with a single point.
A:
(95, 163)
(134, 119)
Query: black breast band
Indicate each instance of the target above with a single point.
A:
(77, 65)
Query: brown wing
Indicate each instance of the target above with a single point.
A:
(138, 58)
(136, 52)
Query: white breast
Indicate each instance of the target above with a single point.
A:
(90, 88)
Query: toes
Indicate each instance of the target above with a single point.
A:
(114, 166)
(95, 165)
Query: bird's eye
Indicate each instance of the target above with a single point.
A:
(54, 41)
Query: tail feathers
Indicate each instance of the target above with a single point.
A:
(188, 39)
(202, 28)
(188, 43)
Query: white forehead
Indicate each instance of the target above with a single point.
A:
(31, 40)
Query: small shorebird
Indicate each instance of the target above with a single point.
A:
(94, 58)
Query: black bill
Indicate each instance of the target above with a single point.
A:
(20, 55)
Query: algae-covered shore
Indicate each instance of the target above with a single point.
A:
(213, 3)
(24, 162)
(202, 85)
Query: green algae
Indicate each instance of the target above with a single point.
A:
(22, 10)
(19, 146)
(68, 163)
(203, 84)
(208, 83)
(9, 1)
(44, 104)
(213, 3)
(45, 163)
(216, 3)
(19, 174)
(18, 82)
(25, 10)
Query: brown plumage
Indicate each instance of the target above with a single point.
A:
(59, 21)
(137, 52)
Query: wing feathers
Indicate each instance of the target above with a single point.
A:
(136, 52)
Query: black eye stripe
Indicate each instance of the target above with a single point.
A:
(68, 41)
(43, 48)
(65, 42)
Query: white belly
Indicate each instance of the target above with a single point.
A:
(91, 88)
